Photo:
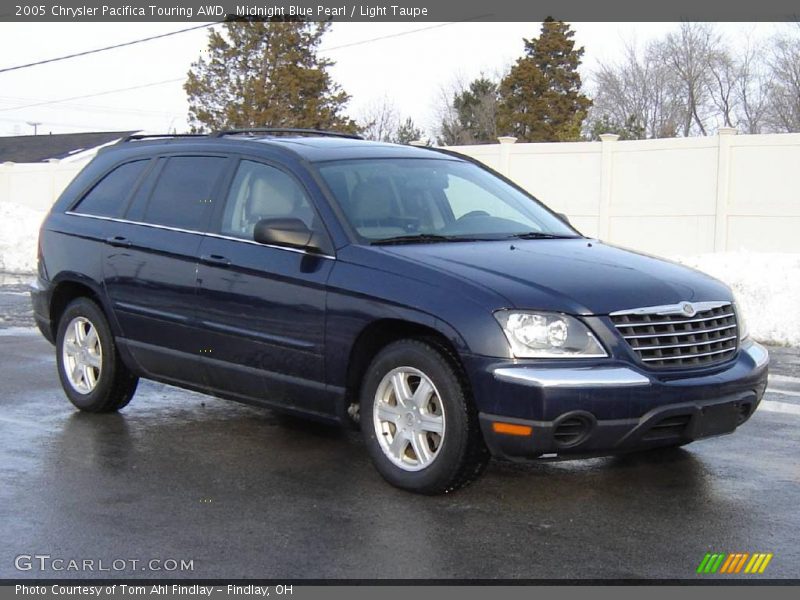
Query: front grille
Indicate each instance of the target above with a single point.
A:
(664, 338)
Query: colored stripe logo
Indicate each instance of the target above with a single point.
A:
(735, 563)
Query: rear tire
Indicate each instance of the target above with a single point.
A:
(417, 419)
(92, 374)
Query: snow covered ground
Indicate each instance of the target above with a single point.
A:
(766, 284)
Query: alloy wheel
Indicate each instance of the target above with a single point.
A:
(82, 355)
(409, 419)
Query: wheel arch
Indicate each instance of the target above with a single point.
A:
(380, 333)
(67, 289)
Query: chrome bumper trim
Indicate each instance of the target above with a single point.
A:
(572, 377)
(758, 353)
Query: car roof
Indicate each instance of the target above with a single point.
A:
(317, 149)
(312, 148)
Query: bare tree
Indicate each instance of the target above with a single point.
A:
(689, 52)
(784, 110)
(379, 120)
(753, 89)
(639, 94)
(691, 80)
(724, 73)
(449, 132)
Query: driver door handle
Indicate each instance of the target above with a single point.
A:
(216, 260)
(118, 241)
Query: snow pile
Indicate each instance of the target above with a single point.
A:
(767, 287)
(19, 232)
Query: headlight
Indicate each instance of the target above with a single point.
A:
(741, 323)
(548, 335)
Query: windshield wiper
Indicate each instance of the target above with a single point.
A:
(539, 235)
(415, 238)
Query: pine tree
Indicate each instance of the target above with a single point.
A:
(540, 98)
(471, 117)
(630, 130)
(407, 132)
(265, 74)
(477, 108)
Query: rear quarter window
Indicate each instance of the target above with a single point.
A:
(108, 197)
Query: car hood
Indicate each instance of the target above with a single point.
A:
(580, 276)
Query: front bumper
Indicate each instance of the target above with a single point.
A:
(605, 409)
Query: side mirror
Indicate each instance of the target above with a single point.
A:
(284, 232)
(564, 218)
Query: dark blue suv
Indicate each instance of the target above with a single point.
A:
(410, 290)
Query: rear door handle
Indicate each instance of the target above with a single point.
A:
(118, 241)
(215, 259)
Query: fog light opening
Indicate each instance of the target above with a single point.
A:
(745, 410)
(572, 429)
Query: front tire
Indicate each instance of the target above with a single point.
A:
(92, 374)
(418, 421)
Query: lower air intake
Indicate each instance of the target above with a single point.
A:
(572, 430)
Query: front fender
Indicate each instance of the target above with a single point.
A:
(359, 296)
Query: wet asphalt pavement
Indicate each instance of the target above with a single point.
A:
(244, 492)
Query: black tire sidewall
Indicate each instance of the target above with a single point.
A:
(445, 468)
(100, 398)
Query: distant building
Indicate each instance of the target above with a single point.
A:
(70, 147)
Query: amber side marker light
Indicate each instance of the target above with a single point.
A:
(512, 429)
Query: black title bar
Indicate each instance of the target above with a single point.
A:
(400, 10)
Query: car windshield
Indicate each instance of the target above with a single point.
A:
(393, 200)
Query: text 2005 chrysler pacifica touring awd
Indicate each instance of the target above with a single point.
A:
(407, 289)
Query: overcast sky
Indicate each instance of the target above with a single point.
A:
(410, 69)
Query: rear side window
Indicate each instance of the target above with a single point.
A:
(108, 197)
(183, 193)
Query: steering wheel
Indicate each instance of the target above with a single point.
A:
(473, 213)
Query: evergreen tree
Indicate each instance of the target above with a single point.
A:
(265, 74)
(630, 130)
(407, 132)
(540, 98)
(472, 116)
(477, 111)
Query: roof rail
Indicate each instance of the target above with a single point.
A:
(286, 130)
(144, 136)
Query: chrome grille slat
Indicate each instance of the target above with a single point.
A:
(667, 338)
(698, 354)
(708, 342)
(676, 333)
(675, 322)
